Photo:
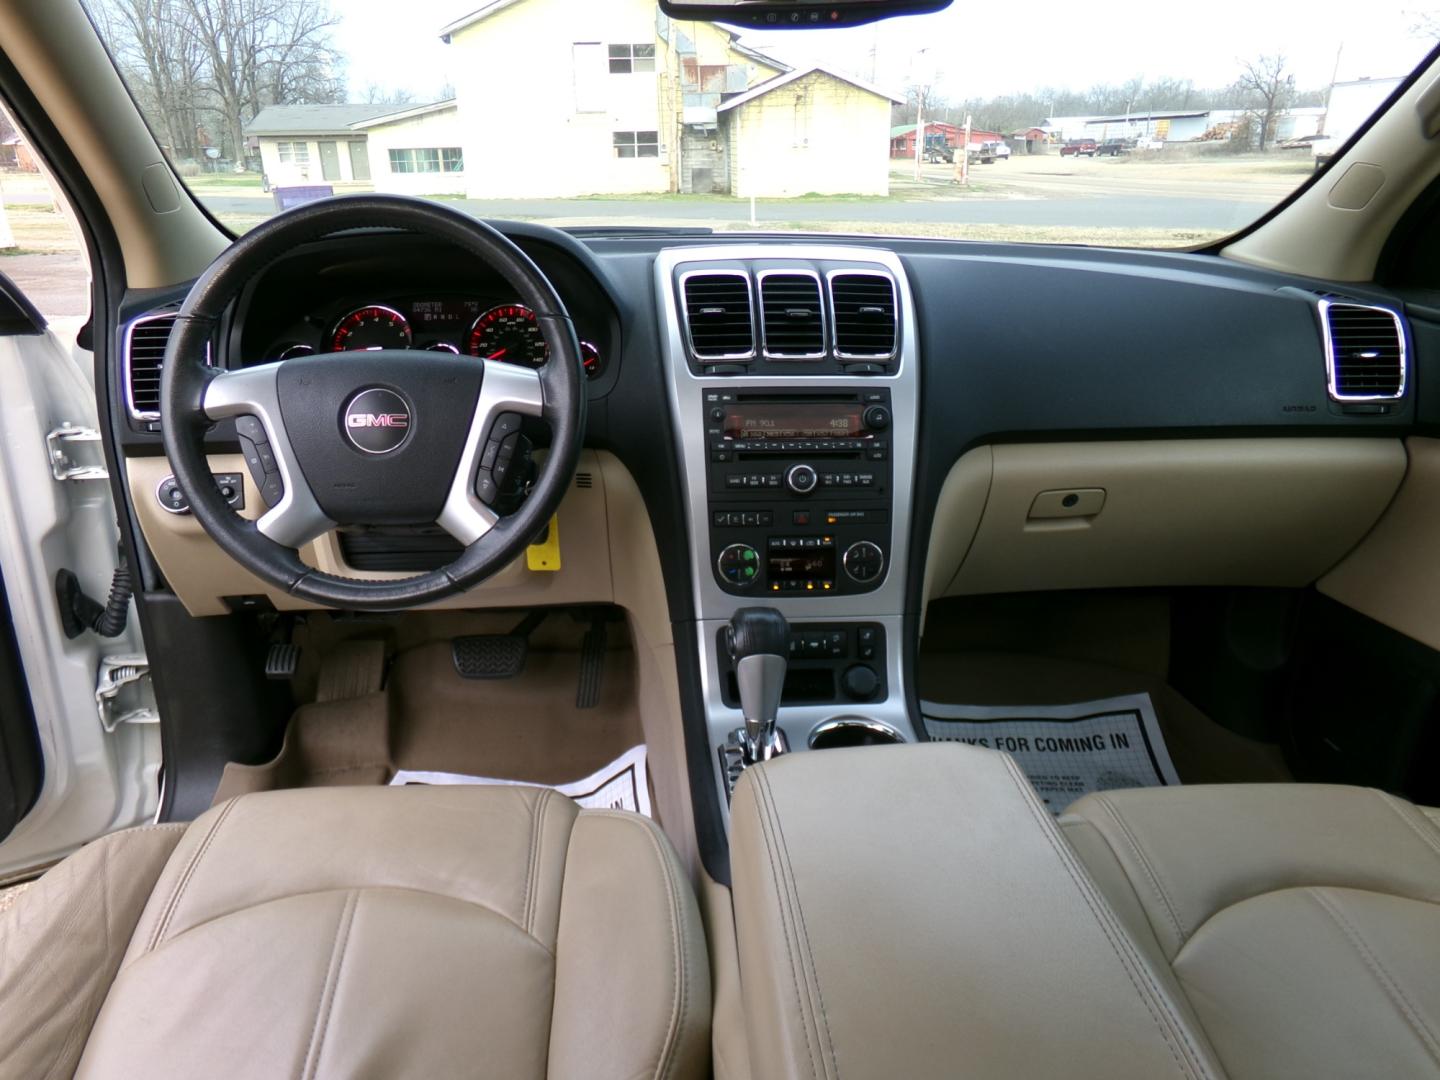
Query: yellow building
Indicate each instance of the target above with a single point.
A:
(809, 132)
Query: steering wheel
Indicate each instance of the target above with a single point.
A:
(389, 436)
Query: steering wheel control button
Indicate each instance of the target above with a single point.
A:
(864, 561)
(172, 497)
(801, 479)
(272, 490)
(486, 490)
(739, 565)
(377, 420)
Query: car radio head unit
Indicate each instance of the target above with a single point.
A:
(790, 419)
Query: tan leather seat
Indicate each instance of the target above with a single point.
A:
(1302, 922)
(423, 931)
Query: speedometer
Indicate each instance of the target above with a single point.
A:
(511, 333)
(371, 327)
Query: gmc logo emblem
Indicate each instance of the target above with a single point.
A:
(374, 420)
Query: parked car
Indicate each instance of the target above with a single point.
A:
(998, 150)
(939, 153)
(1077, 147)
(1149, 144)
(1113, 148)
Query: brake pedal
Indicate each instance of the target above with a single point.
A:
(495, 656)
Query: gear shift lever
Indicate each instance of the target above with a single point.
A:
(759, 641)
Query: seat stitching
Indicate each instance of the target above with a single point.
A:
(368, 888)
(788, 867)
(1296, 887)
(679, 947)
(1387, 982)
(762, 803)
(1424, 834)
(1190, 1064)
(532, 872)
(338, 947)
(530, 862)
(189, 872)
(1144, 861)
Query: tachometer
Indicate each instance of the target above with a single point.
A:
(511, 333)
(371, 327)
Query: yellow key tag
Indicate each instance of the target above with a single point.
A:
(545, 554)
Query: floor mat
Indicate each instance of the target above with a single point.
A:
(621, 785)
(429, 718)
(1065, 751)
(1202, 751)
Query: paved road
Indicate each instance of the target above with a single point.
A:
(1120, 210)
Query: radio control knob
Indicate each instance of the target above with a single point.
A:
(739, 564)
(877, 418)
(801, 479)
(860, 682)
(864, 561)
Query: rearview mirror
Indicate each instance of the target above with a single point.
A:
(796, 14)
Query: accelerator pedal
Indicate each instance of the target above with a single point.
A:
(495, 656)
(592, 663)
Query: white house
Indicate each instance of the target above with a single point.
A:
(417, 151)
(312, 144)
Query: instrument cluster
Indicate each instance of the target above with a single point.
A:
(505, 332)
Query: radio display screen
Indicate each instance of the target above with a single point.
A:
(797, 420)
(811, 564)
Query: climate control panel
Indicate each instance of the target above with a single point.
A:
(799, 490)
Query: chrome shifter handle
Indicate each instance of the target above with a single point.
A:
(758, 640)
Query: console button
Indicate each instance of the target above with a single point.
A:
(877, 418)
(739, 564)
(860, 682)
(801, 479)
(864, 561)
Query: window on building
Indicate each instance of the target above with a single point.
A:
(631, 144)
(427, 160)
(293, 153)
(627, 59)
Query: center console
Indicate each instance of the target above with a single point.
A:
(793, 377)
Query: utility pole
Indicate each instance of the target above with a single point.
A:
(919, 128)
(965, 155)
(1334, 74)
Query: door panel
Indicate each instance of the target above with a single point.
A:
(329, 161)
(21, 767)
(359, 161)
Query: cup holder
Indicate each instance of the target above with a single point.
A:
(846, 731)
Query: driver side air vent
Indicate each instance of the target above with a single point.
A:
(866, 323)
(144, 356)
(792, 315)
(1364, 351)
(718, 317)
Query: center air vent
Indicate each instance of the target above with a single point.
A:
(866, 327)
(718, 317)
(144, 356)
(792, 315)
(1364, 351)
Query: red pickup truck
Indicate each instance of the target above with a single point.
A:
(1076, 147)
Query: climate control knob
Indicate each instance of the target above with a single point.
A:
(864, 561)
(801, 479)
(739, 564)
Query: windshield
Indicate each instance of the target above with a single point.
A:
(1116, 123)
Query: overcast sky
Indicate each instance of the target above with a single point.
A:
(983, 49)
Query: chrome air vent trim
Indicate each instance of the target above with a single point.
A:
(840, 314)
(718, 354)
(138, 410)
(1387, 376)
(783, 350)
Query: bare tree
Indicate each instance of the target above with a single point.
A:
(1269, 89)
(375, 94)
(198, 64)
(1426, 25)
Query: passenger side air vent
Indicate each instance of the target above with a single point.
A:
(1364, 351)
(718, 317)
(792, 315)
(866, 324)
(144, 356)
